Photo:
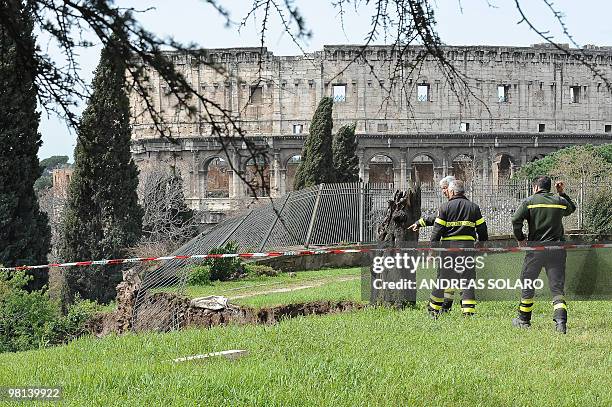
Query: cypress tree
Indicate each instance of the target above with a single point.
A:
(346, 162)
(102, 218)
(316, 166)
(24, 231)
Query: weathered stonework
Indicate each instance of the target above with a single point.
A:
(549, 101)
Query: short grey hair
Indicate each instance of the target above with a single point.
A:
(456, 187)
(446, 180)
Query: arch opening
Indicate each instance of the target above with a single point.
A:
(214, 179)
(381, 169)
(292, 165)
(423, 166)
(463, 167)
(504, 167)
(257, 176)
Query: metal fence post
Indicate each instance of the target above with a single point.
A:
(314, 215)
(279, 213)
(580, 204)
(361, 210)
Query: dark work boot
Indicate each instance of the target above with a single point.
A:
(447, 306)
(561, 326)
(434, 314)
(521, 323)
(560, 314)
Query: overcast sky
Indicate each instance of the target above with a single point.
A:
(466, 22)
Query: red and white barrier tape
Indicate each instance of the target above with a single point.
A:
(306, 253)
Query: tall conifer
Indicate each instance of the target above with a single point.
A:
(103, 217)
(316, 166)
(346, 162)
(24, 231)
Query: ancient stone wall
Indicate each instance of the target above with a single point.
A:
(519, 103)
(541, 85)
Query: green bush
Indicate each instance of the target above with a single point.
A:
(24, 316)
(260, 270)
(30, 320)
(73, 324)
(598, 214)
(225, 268)
(549, 164)
(199, 275)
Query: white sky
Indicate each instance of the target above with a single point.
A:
(466, 22)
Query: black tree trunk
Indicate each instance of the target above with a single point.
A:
(393, 235)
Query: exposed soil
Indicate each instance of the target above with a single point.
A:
(161, 310)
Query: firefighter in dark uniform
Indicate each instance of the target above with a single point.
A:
(543, 212)
(459, 222)
(430, 220)
(425, 221)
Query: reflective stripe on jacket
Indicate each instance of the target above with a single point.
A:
(459, 219)
(543, 212)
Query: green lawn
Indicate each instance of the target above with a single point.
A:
(585, 268)
(328, 284)
(337, 291)
(367, 357)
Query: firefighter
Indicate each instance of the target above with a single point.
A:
(459, 222)
(543, 212)
(429, 221)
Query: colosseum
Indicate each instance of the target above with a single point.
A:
(520, 104)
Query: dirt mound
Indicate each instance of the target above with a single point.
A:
(161, 310)
(270, 315)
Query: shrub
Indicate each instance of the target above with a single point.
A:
(570, 162)
(598, 214)
(260, 270)
(24, 316)
(73, 324)
(225, 268)
(30, 320)
(199, 275)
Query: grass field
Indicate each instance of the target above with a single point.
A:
(374, 356)
(368, 357)
(304, 286)
(584, 271)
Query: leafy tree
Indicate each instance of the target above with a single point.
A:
(346, 163)
(43, 182)
(581, 164)
(598, 214)
(316, 166)
(55, 161)
(102, 215)
(587, 161)
(24, 232)
(584, 167)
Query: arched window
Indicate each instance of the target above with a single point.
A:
(423, 166)
(381, 169)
